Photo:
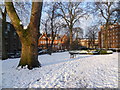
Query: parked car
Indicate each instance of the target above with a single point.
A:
(14, 55)
(42, 51)
(45, 51)
(39, 49)
(17, 55)
(11, 55)
(61, 50)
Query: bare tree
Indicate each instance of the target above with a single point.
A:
(28, 36)
(118, 12)
(23, 9)
(91, 35)
(77, 33)
(52, 24)
(71, 13)
(46, 30)
(108, 12)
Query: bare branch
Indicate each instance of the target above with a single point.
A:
(101, 11)
(35, 18)
(13, 15)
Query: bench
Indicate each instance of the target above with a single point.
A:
(73, 54)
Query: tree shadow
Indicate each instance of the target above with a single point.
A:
(67, 60)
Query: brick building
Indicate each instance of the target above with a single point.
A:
(62, 42)
(58, 44)
(10, 41)
(88, 43)
(113, 37)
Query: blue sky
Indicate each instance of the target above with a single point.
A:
(85, 23)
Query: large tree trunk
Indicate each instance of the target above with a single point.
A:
(29, 55)
(28, 37)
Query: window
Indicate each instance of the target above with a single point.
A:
(44, 42)
(8, 27)
(14, 33)
(6, 43)
(41, 42)
(6, 32)
(55, 38)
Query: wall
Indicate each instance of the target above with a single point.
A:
(113, 36)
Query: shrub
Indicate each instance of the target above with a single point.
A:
(75, 45)
(103, 52)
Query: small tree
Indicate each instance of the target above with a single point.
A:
(52, 24)
(91, 34)
(28, 36)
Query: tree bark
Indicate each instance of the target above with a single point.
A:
(28, 37)
(71, 36)
(71, 40)
(29, 55)
(52, 31)
(47, 43)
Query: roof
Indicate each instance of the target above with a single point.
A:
(59, 37)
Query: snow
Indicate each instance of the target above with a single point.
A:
(58, 70)
(25, 27)
(20, 23)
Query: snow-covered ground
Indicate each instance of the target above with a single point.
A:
(58, 70)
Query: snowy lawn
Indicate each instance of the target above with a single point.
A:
(58, 70)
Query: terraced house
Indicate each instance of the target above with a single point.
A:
(112, 37)
(58, 44)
